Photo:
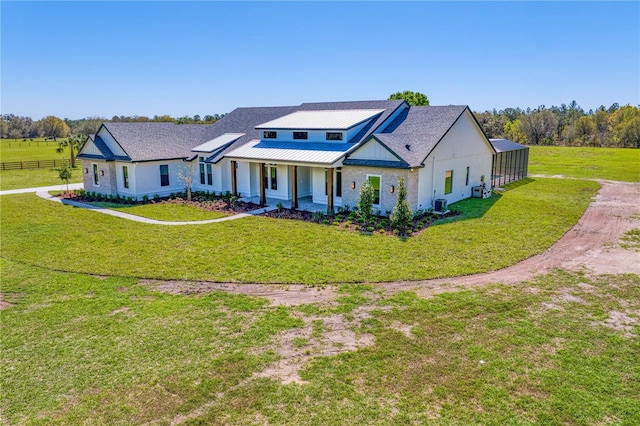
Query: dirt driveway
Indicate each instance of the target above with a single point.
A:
(590, 246)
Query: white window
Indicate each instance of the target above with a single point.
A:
(375, 181)
(96, 176)
(448, 182)
(270, 177)
(125, 176)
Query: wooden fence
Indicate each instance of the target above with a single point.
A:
(35, 164)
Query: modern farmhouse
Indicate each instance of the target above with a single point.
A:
(317, 152)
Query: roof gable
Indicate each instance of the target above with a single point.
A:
(156, 141)
(413, 134)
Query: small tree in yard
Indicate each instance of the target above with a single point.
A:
(401, 216)
(74, 143)
(365, 203)
(64, 173)
(186, 175)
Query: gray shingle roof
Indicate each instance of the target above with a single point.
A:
(243, 120)
(157, 141)
(417, 130)
(501, 145)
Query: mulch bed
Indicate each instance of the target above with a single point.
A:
(208, 205)
(349, 221)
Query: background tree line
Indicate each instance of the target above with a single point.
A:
(567, 125)
(17, 127)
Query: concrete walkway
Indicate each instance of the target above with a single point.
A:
(62, 187)
(44, 193)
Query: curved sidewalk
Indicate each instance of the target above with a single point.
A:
(45, 194)
(62, 187)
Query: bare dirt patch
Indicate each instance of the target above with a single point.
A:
(621, 321)
(320, 336)
(285, 294)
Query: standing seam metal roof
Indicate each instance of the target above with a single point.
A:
(502, 145)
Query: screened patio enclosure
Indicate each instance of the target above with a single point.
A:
(510, 162)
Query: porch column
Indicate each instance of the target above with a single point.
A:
(234, 182)
(294, 186)
(330, 190)
(263, 195)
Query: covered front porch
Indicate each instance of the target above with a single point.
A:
(304, 204)
(296, 186)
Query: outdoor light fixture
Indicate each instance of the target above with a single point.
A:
(393, 189)
(353, 185)
(86, 170)
(101, 172)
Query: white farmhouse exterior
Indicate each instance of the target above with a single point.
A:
(321, 152)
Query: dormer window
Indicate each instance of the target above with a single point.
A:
(334, 136)
(300, 135)
(270, 134)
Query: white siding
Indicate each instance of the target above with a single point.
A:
(131, 191)
(90, 148)
(147, 178)
(463, 146)
(245, 176)
(111, 142)
(304, 182)
(372, 150)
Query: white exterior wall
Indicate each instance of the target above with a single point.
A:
(131, 191)
(245, 179)
(463, 146)
(283, 179)
(318, 187)
(305, 188)
(111, 142)
(221, 174)
(147, 178)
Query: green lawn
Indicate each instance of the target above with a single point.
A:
(621, 164)
(491, 234)
(164, 211)
(38, 149)
(27, 178)
(80, 349)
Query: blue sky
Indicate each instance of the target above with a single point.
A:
(80, 59)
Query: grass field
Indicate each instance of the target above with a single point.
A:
(490, 234)
(167, 212)
(38, 149)
(28, 178)
(590, 163)
(82, 349)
